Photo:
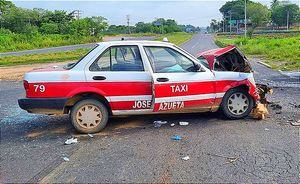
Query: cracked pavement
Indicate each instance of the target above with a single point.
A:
(131, 149)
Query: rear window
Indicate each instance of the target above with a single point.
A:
(119, 58)
(72, 65)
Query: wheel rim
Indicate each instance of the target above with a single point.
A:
(88, 116)
(238, 103)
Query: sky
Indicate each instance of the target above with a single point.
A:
(195, 12)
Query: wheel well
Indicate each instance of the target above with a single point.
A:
(82, 96)
(243, 86)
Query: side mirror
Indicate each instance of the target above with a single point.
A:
(199, 68)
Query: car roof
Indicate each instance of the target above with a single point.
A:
(135, 42)
(216, 52)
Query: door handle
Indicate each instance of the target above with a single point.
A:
(162, 79)
(99, 78)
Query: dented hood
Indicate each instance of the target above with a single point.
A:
(229, 58)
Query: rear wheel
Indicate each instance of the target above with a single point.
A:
(237, 103)
(89, 116)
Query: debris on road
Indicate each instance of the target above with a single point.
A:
(90, 135)
(295, 105)
(229, 159)
(266, 129)
(232, 159)
(186, 158)
(176, 137)
(71, 141)
(66, 159)
(262, 90)
(173, 124)
(183, 123)
(158, 124)
(260, 111)
(275, 106)
(296, 123)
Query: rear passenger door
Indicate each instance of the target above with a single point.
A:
(119, 74)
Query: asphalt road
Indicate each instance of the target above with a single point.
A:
(130, 149)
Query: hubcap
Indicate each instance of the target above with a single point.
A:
(88, 116)
(238, 103)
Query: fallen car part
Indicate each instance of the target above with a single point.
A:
(183, 123)
(262, 90)
(66, 159)
(71, 141)
(296, 123)
(186, 158)
(158, 124)
(260, 111)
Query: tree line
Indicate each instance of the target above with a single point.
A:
(35, 21)
(281, 14)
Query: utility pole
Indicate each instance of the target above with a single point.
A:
(128, 21)
(224, 22)
(230, 13)
(245, 21)
(287, 20)
(77, 14)
(0, 19)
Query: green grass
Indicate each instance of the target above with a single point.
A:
(176, 38)
(43, 58)
(280, 51)
(16, 42)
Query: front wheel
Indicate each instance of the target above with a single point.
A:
(237, 104)
(89, 116)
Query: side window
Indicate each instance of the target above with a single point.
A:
(119, 58)
(102, 63)
(167, 60)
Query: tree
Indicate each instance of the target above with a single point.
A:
(274, 3)
(281, 11)
(214, 25)
(98, 24)
(236, 7)
(258, 15)
(50, 28)
(142, 27)
(5, 5)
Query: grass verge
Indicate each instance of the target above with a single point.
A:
(279, 51)
(16, 42)
(176, 38)
(43, 58)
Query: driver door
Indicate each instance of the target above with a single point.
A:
(177, 85)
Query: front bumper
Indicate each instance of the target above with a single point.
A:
(43, 105)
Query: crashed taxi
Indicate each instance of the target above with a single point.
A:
(141, 77)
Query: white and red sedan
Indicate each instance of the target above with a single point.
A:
(137, 77)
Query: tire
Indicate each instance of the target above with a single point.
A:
(89, 116)
(236, 104)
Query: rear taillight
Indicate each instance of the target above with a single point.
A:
(26, 84)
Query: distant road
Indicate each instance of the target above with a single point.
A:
(70, 47)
